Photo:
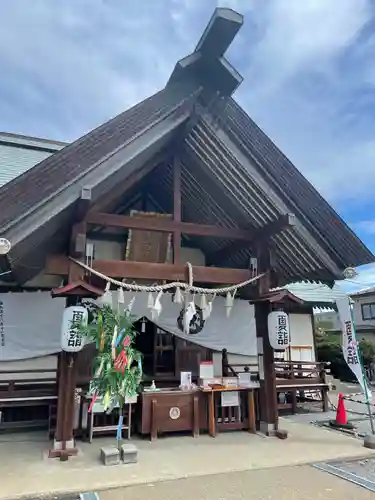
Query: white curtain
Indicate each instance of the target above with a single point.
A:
(237, 333)
(30, 324)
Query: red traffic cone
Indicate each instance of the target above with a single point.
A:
(341, 417)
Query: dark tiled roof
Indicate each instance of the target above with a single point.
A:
(66, 166)
(233, 175)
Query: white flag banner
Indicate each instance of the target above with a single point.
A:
(350, 344)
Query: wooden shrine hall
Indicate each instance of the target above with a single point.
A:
(183, 177)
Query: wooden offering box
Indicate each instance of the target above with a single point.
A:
(169, 410)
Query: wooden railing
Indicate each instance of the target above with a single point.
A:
(296, 380)
(233, 369)
(14, 388)
(300, 372)
(26, 399)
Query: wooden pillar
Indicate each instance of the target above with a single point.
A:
(267, 375)
(64, 443)
(177, 210)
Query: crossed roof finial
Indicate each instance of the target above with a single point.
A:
(207, 63)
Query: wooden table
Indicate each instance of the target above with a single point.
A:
(211, 407)
(169, 410)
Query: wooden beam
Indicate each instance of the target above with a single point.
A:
(259, 237)
(59, 265)
(112, 197)
(177, 210)
(161, 224)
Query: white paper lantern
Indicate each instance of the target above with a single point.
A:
(278, 330)
(71, 340)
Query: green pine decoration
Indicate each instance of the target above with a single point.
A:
(118, 365)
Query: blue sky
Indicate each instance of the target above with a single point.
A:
(309, 68)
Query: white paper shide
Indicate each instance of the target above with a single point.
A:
(278, 330)
(71, 339)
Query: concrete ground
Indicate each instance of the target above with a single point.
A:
(357, 411)
(283, 483)
(25, 470)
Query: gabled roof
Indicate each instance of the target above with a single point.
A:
(315, 294)
(78, 289)
(232, 173)
(280, 295)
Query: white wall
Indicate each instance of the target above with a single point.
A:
(301, 330)
(357, 310)
(302, 337)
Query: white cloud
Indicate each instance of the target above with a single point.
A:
(68, 65)
(96, 57)
(312, 31)
(297, 90)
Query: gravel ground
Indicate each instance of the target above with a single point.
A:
(282, 483)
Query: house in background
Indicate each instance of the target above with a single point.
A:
(363, 306)
(364, 313)
(19, 153)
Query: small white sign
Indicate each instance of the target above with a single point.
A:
(185, 379)
(230, 398)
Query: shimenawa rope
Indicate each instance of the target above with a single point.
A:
(168, 286)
